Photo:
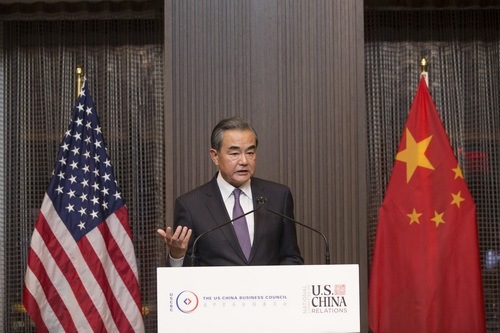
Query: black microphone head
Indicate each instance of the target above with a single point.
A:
(261, 200)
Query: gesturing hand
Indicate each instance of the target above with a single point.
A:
(177, 242)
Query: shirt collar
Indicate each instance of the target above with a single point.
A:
(227, 189)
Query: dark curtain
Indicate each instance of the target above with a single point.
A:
(120, 47)
(462, 48)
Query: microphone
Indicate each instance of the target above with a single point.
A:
(263, 202)
(193, 253)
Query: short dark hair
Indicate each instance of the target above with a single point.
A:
(233, 123)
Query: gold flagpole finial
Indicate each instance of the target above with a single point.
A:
(423, 65)
(79, 80)
(423, 70)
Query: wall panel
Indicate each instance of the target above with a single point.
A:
(295, 70)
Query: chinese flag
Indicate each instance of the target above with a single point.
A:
(426, 272)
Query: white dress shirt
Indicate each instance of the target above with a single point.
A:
(246, 201)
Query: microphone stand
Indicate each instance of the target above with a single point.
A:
(193, 253)
(263, 201)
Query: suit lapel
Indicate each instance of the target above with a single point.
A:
(216, 207)
(258, 190)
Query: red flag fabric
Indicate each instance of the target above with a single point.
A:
(426, 273)
(82, 274)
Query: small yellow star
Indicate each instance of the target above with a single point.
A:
(438, 218)
(457, 199)
(458, 172)
(414, 216)
(414, 155)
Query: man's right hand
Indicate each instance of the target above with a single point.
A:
(177, 242)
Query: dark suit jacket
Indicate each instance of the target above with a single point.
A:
(275, 239)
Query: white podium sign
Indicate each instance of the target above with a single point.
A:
(305, 299)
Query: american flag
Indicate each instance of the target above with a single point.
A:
(81, 274)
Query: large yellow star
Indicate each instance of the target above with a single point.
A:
(438, 218)
(458, 172)
(457, 199)
(414, 216)
(414, 155)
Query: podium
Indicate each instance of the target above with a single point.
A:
(241, 299)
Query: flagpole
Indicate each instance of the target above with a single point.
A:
(423, 70)
(79, 80)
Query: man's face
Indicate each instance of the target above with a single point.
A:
(237, 156)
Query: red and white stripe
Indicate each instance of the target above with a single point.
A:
(86, 286)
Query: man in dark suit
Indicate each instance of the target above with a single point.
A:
(261, 238)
